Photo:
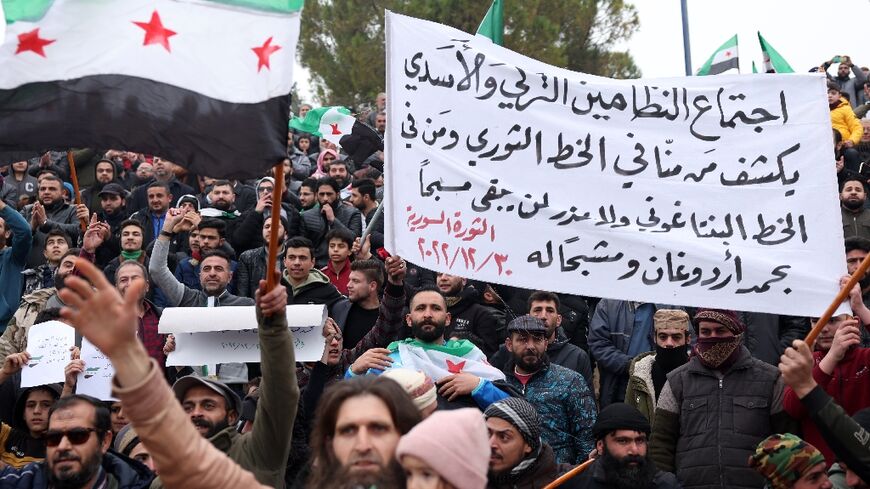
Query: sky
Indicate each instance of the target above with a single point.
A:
(805, 32)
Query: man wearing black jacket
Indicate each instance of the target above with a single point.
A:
(469, 320)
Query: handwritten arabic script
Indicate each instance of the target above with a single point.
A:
(713, 191)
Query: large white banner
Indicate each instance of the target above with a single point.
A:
(702, 191)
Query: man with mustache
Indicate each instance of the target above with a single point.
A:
(621, 434)
(856, 219)
(857, 249)
(77, 452)
(560, 395)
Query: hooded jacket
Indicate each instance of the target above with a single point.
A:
(316, 289)
(844, 121)
(314, 227)
(18, 447)
(561, 352)
(91, 195)
(60, 216)
(594, 478)
(543, 471)
(641, 391)
(475, 322)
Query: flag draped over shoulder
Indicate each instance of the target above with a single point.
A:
(439, 361)
(338, 126)
(492, 26)
(724, 59)
(202, 83)
(773, 62)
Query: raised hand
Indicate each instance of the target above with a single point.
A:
(14, 363)
(396, 270)
(796, 365)
(95, 235)
(272, 302)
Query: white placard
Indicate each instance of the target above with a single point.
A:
(202, 319)
(49, 346)
(240, 346)
(96, 379)
(715, 191)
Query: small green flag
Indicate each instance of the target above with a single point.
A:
(773, 62)
(754, 69)
(492, 25)
(724, 59)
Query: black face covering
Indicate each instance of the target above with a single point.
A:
(668, 359)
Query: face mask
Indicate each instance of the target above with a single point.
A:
(718, 353)
(670, 358)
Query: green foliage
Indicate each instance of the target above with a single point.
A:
(342, 41)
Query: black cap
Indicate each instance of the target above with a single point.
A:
(184, 384)
(113, 189)
(527, 323)
(619, 416)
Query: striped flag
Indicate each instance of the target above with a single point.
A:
(202, 83)
(438, 363)
(338, 126)
(773, 62)
(724, 59)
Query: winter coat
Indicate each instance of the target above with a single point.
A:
(122, 473)
(594, 478)
(768, 335)
(315, 290)
(472, 321)
(843, 120)
(708, 423)
(251, 269)
(248, 233)
(854, 86)
(566, 407)
(542, 472)
(14, 339)
(60, 216)
(848, 385)
(12, 260)
(188, 274)
(641, 392)
(314, 227)
(856, 224)
(561, 352)
(138, 200)
(610, 332)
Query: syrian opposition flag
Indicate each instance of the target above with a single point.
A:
(452, 358)
(773, 62)
(338, 126)
(724, 59)
(202, 83)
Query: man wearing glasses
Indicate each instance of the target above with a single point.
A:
(77, 442)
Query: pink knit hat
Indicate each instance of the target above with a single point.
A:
(454, 443)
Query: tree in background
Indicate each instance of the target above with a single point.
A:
(342, 41)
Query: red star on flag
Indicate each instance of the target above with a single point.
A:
(155, 33)
(30, 41)
(727, 54)
(263, 52)
(455, 368)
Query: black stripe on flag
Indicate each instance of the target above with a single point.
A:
(207, 136)
(723, 66)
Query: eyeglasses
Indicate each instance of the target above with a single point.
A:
(76, 436)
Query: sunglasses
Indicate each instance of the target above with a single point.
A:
(76, 436)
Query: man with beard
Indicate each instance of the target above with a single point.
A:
(332, 213)
(519, 458)
(355, 436)
(469, 320)
(112, 211)
(363, 196)
(164, 173)
(212, 236)
(15, 243)
(51, 213)
(154, 216)
(856, 250)
(648, 372)
(77, 452)
(457, 366)
(713, 411)
(560, 395)
(214, 274)
(545, 306)
(105, 172)
(222, 206)
(621, 460)
(856, 219)
(338, 170)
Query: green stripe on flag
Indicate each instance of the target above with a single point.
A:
(311, 122)
(724, 59)
(492, 25)
(26, 10)
(773, 61)
(283, 6)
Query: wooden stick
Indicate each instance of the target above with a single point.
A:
(77, 196)
(570, 474)
(841, 296)
(277, 191)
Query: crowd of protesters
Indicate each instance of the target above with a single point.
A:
(427, 380)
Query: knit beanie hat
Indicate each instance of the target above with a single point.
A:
(522, 415)
(619, 416)
(126, 440)
(417, 384)
(726, 318)
(435, 441)
(188, 198)
(784, 459)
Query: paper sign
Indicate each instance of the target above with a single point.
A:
(96, 380)
(49, 346)
(714, 191)
(240, 347)
(201, 319)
